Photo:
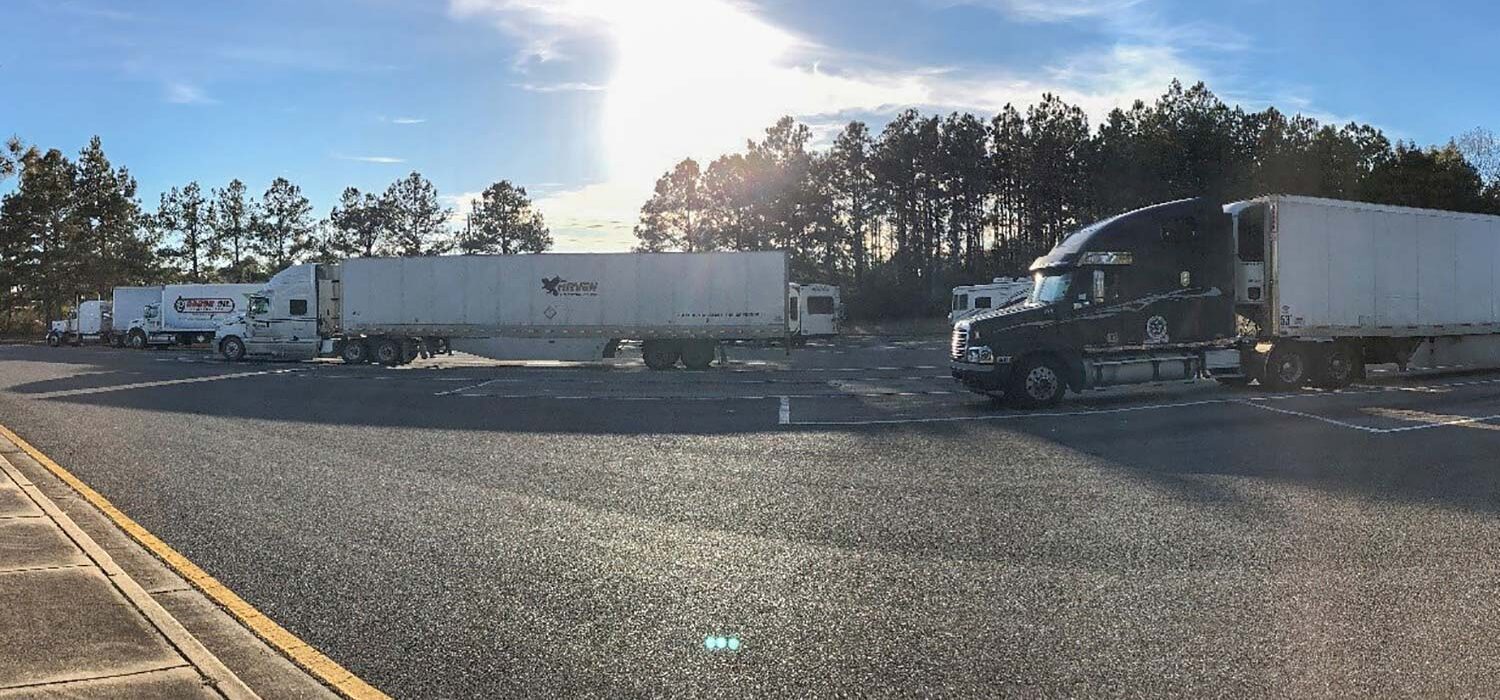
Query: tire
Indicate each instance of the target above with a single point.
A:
(387, 351)
(116, 340)
(354, 352)
(1288, 367)
(54, 339)
(232, 348)
(699, 355)
(660, 354)
(1037, 382)
(137, 339)
(1336, 367)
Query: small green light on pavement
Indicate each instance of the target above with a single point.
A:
(715, 642)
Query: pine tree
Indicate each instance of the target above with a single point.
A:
(184, 215)
(282, 226)
(415, 222)
(504, 221)
(355, 225)
(673, 218)
(232, 232)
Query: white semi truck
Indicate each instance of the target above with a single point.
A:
(1282, 290)
(90, 321)
(184, 314)
(545, 306)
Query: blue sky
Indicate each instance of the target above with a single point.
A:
(585, 101)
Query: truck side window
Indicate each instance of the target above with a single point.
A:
(298, 307)
(982, 302)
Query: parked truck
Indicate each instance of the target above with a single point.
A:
(545, 306)
(185, 314)
(1282, 290)
(90, 321)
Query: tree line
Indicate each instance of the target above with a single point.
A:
(933, 201)
(75, 228)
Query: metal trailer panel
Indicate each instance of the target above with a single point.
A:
(93, 317)
(1354, 269)
(130, 304)
(609, 295)
(202, 307)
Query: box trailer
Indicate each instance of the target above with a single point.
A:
(1282, 290)
(543, 306)
(90, 321)
(184, 314)
(130, 304)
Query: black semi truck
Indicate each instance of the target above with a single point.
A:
(1282, 290)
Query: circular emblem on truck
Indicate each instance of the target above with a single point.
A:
(1156, 330)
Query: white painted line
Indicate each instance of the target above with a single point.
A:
(786, 410)
(1442, 424)
(164, 382)
(463, 389)
(1300, 414)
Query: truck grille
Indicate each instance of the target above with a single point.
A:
(960, 342)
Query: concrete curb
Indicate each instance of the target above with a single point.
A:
(219, 677)
(303, 655)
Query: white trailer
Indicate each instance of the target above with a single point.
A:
(90, 321)
(129, 304)
(814, 310)
(973, 299)
(185, 314)
(545, 306)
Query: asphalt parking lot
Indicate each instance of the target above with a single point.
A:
(464, 528)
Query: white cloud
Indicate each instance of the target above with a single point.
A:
(408, 120)
(1048, 10)
(560, 87)
(384, 160)
(180, 93)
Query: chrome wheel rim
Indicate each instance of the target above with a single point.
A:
(1041, 383)
(1289, 370)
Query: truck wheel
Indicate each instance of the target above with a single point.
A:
(1287, 367)
(116, 340)
(387, 352)
(1036, 383)
(660, 354)
(233, 349)
(54, 339)
(137, 339)
(354, 352)
(699, 355)
(1336, 368)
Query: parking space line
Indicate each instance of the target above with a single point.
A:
(165, 382)
(463, 389)
(1300, 414)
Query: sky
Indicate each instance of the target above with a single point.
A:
(586, 102)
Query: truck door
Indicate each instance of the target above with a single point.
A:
(294, 326)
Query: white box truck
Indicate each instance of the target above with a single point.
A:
(184, 314)
(543, 306)
(1280, 289)
(90, 321)
(129, 304)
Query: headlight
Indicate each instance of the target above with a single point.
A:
(981, 354)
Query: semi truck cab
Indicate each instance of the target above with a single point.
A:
(1148, 295)
(280, 320)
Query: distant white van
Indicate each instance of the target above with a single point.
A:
(813, 309)
(972, 299)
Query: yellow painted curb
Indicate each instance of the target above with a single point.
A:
(301, 653)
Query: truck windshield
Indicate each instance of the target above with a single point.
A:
(1049, 288)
